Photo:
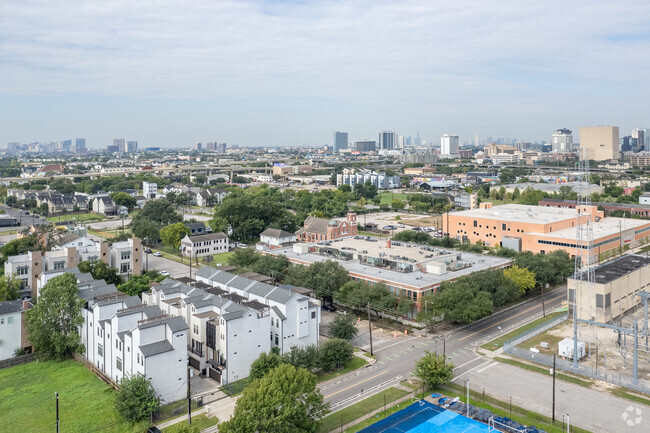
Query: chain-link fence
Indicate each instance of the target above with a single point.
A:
(594, 372)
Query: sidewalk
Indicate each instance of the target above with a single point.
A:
(222, 409)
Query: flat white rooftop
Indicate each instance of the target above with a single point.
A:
(600, 229)
(520, 213)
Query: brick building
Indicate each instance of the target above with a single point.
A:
(323, 229)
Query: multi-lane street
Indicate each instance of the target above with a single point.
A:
(397, 353)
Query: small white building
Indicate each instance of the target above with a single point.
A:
(104, 205)
(12, 330)
(150, 189)
(275, 238)
(644, 198)
(565, 348)
(205, 245)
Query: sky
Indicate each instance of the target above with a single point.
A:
(276, 73)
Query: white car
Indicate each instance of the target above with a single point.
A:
(165, 273)
(157, 254)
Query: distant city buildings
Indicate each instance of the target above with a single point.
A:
(562, 140)
(213, 146)
(364, 146)
(340, 141)
(131, 146)
(120, 143)
(379, 179)
(600, 142)
(387, 140)
(449, 146)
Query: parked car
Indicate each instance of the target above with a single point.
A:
(165, 273)
(157, 254)
(400, 226)
(148, 251)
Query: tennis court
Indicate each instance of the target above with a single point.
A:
(424, 417)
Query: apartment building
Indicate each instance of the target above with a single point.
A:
(125, 256)
(353, 177)
(13, 335)
(104, 205)
(233, 319)
(149, 189)
(600, 143)
(123, 337)
(205, 245)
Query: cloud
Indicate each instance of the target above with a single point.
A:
(421, 54)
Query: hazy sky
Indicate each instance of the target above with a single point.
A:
(169, 73)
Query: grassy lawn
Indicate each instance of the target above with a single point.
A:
(387, 197)
(355, 363)
(546, 371)
(623, 393)
(8, 232)
(498, 342)
(82, 217)
(86, 403)
(200, 421)
(502, 408)
(360, 409)
(221, 258)
(365, 233)
(236, 387)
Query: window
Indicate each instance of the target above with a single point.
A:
(59, 265)
(271, 336)
(10, 320)
(272, 321)
(100, 350)
(313, 314)
(125, 267)
(125, 255)
(196, 329)
(117, 344)
(23, 270)
(2, 320)
(118, 363)
(503, 226)
(276, 339)
(475, 223)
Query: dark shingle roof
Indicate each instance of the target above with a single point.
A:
(156, 348)
(8, 307)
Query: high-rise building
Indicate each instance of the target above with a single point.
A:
(340, 141)
(562, 140)
(449, 146)
(600, 142)
(131, 146)
(418, 140)
(80, 145)
(387, 140)
(198, 146)
(366, 146)
(625, 144)
(639, 134)
(120, 143)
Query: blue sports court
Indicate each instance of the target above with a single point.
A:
(424, 417)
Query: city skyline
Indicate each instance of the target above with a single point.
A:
(286, 73)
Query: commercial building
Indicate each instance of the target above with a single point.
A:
(282, 169)
(233, 319)
(323, 229)
(640, 134)
(562, 141)
(352, 177)
(131, 146)
(120, 144)
(626, 208)
(387, 140)
(340, 141)
(641, 159)
(80, 145)
(542, 229)
(205, 245)
(614, 290)
(600, 142)
(449, 146)
(13, 335)
(411, 270)
(365, 146)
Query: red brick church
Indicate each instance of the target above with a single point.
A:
(322, 229)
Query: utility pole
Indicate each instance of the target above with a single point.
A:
(56, 394)
(467, 383)
(553, 410)
(370, 328)
(543, 306)
(189, 399)
(190, 263)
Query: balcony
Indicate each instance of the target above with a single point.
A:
(195, 350)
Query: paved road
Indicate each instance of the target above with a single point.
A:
(22, 217)
(397, 354)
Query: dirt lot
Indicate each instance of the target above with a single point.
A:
(394, 218)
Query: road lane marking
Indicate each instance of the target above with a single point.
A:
(483, 369)
(367, 346)
(498, 323)
(356, 384)
(471, 369)
(468, 362)
(391, 345)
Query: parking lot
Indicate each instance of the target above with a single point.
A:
(399, 221)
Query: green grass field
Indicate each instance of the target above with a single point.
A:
(387, 197)
(357, 410)
(355, 363)
(199, 421)
(82, 217)
(27, 401)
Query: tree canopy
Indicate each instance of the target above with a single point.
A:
(9, 286)
(285, 400)
(154, 215)
(263, 364)
(173, 234)
(136, 400)
(324, 277)
(343, 327)
(434, 370)
(52, 324)
(101, 271)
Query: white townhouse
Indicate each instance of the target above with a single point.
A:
(205, 245)
(12, 328)
(275, 238)
(123, 337)
(233, 319)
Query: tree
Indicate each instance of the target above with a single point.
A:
(136, 285)
(9, 286)
(263, 364)
(302, 357)
(286, 400)
(123, 199)
(101, 271)
(173, 234)
(52, 324)
(344, 327)
(334, 353)
(136, 399)
(462, 301)
(145, 228)
(523, 278)
(397, 204)
(323, 277)
(160, 211)
(434, 370)
(243, 258)
(507, 176)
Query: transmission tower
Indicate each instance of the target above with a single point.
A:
(584, 258)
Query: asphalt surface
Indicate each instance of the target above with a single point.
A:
(397, 353)
(22, 217)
